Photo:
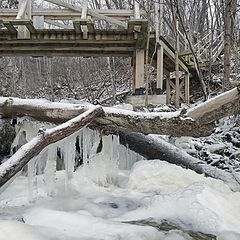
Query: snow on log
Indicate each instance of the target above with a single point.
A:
(152, 147)
(198, 121)
(225, 104)
(169, 123)
(45, 137)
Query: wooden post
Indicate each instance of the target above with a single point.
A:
(84, 9)
(139, 71)
(161, 18)
(136, 10)
(160, 67)
(186, 87)
(24, 12)
(168, 89)
(134, 72)
(157, 22)
(177, 94)
(84, 16)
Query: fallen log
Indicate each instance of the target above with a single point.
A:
(225, 104)
(159, 123)
(156, 148)
(196, 122)
(45, 137)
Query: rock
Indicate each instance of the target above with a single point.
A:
(7, 135)
(235, 155)
(184, 143)
(217, 148)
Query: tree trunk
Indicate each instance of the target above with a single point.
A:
(230, 5)
(156, 148)
(198, 121)
(45, 137)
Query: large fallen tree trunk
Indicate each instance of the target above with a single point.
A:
(45, 137)
(156, 148)
(199, 121)
(225, 104)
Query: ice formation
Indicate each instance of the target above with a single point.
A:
(101, 156)
(103, 187)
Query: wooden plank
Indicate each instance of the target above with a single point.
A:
(181, 84)
(144, 25)
(157, 23)
(160, 67)
(136, 10)
(30, 27)
(84, 24)
(171, 55)
(123, 14)
(172, 85)
(177, 95)
(90, 12)
(90, 26)
(187, 93)
(23, 4)
(140, 53)
(161, 8)
(134, 71)
(77, 26)
(131, 25)
(10, 27)
(184, 53)
(84, 9)
(23, 22)
(168, 89)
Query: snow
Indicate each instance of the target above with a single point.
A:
(13, 230)
(153, 176)
(89, 210)
(57, 108)
(112, 187)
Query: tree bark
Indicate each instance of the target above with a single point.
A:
(198, 121)
(156, 148)
(225, 104)
(45, 137)
(230, 5)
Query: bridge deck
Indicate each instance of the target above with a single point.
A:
(69, 42)
(23, 32)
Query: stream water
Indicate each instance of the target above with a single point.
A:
(115, 194)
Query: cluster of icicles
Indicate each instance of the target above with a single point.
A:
(101, 156)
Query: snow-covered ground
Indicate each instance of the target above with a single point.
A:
(88, 210)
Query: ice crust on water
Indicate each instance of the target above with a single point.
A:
(13, 230)
(91, 202)
(184, 198)
(94, 211)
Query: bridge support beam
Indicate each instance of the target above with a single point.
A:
(178, 87)
(168, 89)
(138, 81)
(159, 69)
(24, 12)
(186, 83)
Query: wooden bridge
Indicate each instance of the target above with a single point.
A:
(42, 32)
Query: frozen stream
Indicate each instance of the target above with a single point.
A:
(114, 195)
(152, 190)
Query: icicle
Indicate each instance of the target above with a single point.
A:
(32, 180)
(85, 139)
(69, 151)
(50, 170)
